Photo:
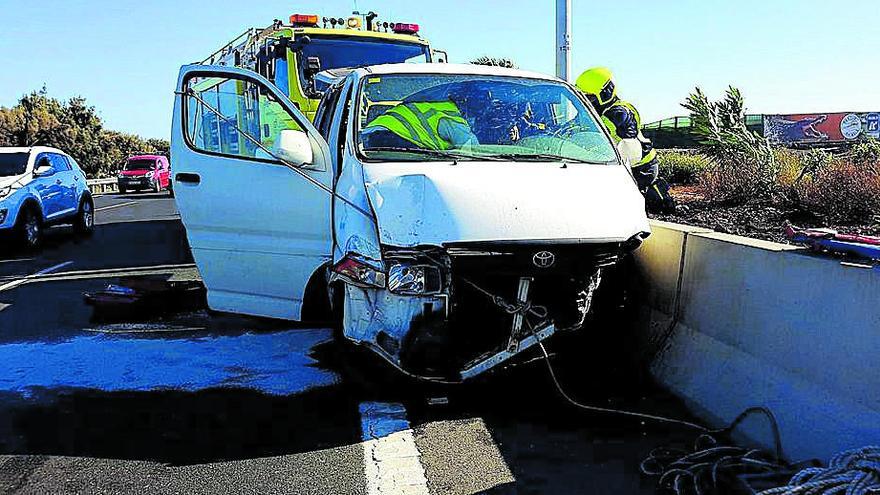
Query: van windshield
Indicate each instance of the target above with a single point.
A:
(414, 117)
(140, 164)
(12, 164)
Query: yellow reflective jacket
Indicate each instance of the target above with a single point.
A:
(612, 119)
(419, 122)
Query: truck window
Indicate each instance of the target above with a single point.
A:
(342, 52)
(231, 116)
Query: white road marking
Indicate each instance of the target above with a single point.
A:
(16, 283)
(391, 459)
(120, 205)
(16, 260)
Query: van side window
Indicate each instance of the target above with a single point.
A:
(326, 110)
(343, 126)
(235, 116)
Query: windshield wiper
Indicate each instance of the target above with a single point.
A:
(424, 151)
(545, 156)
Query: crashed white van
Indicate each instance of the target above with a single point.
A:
(448, 246)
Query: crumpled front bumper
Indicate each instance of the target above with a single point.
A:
(389, 324)
(494, 305)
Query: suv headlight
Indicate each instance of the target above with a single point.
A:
(408, 279)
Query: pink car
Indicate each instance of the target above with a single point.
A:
(145, 172)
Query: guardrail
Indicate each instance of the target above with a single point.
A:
(103, 186)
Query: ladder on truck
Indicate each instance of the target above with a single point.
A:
(243, 51)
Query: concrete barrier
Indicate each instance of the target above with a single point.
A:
(729, 322)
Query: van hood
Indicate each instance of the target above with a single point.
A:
(134, 173)
(437, 203)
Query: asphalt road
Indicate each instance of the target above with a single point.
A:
(193, 402)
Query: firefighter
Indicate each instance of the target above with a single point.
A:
(624, 123)
(428, 125)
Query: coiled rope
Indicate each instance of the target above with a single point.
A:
(852, 472)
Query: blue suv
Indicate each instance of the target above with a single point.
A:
(39, 187)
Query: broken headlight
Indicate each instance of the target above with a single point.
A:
(358, 271)
(408, 279)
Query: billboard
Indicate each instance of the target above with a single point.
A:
(821, 127)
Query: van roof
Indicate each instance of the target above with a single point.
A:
(468, 69)
(30, 149)
(146, 157)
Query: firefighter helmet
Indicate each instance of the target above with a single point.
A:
(598, 82)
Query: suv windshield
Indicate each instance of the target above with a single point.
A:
(140, 164)
(342, 52)
(406, 117)
(12, 164)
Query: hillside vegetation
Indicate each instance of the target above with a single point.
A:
(74, 127)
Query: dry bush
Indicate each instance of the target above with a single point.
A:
(843, 191)
(729, 182)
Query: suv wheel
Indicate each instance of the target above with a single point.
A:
(29, 229)
(85, 217)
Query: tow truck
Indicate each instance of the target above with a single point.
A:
(302, 58)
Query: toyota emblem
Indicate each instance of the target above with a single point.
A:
(543, 259)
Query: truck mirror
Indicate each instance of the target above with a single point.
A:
(313, 66)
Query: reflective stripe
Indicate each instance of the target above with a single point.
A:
(413, 134)
(429, 133)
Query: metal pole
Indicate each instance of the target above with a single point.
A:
(563, 38)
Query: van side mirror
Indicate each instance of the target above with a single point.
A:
(44, 171)
(294, 147)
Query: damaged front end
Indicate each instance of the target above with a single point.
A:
(453, 313)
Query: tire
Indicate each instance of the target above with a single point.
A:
(84, 224)
(122, 190)
(29, 229)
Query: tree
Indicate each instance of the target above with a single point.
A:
(75, 127)
(494, 62)
(745, 167)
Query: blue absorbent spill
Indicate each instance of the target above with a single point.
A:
(274, 363)
(380, 419)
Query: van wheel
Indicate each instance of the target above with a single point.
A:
(29, 229)
(85, 217)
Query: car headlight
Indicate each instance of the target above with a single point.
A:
(3, 213)
(359, 271)
(410, 279)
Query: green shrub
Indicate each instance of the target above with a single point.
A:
(867, 151)
(681, 167)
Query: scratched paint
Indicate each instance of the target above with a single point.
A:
(274, 363)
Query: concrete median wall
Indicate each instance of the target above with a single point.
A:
(729, 322)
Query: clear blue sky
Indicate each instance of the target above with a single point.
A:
(786, 55)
